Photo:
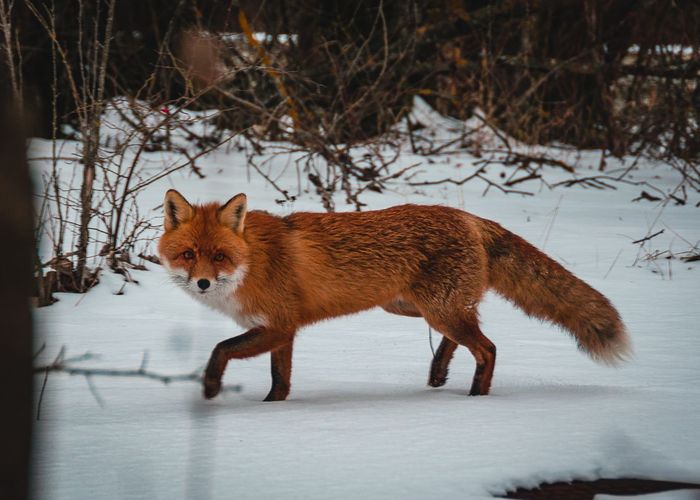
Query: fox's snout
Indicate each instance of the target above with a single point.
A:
(205, 284)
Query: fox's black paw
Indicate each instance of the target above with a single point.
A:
(212, 387)
(437, 379)
(277, 395)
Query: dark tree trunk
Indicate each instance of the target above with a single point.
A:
(16, 253)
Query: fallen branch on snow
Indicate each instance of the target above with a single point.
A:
(65, 365)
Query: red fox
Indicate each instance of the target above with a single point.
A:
(274, 275)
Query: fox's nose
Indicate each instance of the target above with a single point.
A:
(203, 283)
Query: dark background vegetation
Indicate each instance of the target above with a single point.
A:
(590, 73)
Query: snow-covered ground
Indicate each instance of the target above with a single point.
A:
(360, 421)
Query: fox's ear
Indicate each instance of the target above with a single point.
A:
(177, 210)
(232, 214)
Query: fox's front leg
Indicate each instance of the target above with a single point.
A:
(252, 343)
(281, 371)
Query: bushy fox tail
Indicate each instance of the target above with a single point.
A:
(542, 288)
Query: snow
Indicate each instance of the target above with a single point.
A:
(360, 420)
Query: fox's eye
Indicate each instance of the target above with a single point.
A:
(188, 254)
(219, 257)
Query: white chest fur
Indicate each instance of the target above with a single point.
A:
(229, 305)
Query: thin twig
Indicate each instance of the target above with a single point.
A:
(64, 365)
(647, 238)
(613, 263)
(41, 395)
(551, 222)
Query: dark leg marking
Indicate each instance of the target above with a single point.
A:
(441, 361)
(281, 371)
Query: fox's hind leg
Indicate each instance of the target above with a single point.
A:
(441, 362)
(469, 335)
(484, 351)
(281, 370)
(464, 331)
(443, 355)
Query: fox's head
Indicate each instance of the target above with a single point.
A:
(203, 247)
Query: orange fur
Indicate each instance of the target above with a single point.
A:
(274, 275)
